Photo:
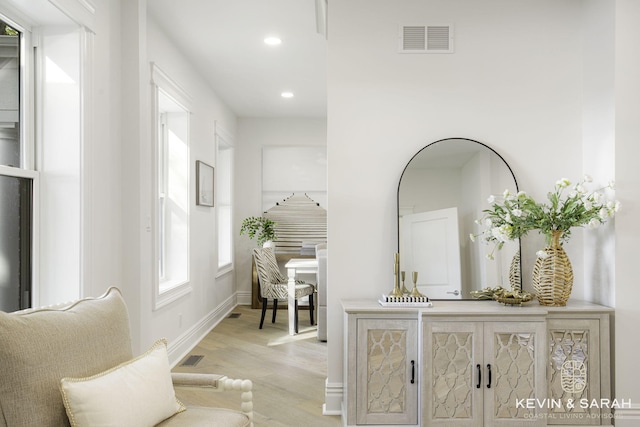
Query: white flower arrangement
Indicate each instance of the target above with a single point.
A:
(513, 216)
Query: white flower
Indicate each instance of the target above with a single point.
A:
(507, 218)
(612, 184)
(593, 223)
(502, 233)
(564, 182)
(603, 214)
(491, 199)
(596, 197)
(517, 213)
(588, 205)
(506, 193)
(617, 206)
(490, 256)
(542, 254)
(488, 223)
(580, 189)
(472, 237)
(521, 194)
(587, 178)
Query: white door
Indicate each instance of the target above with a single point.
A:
(431, 246)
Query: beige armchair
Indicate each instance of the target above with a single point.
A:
(76, 341)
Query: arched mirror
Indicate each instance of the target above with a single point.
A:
(442, 192)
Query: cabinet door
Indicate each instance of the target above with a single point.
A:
(514, 395)
(573, 370)
(385, 393)
(452, 374)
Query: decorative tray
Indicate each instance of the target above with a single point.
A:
(405, 301)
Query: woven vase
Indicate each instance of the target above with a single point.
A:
(514, 272)
(553, 275)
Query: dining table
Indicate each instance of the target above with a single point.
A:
(294, 267)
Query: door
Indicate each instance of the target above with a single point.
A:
(573, 370)
(452, 386)
(515, 380)
(386, 377)
(431, 240)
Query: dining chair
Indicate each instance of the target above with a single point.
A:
(274, 285)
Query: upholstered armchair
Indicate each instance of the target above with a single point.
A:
(274, 285)
(72, 364)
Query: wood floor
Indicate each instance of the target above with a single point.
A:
(288, 372)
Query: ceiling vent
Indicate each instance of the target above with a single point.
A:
(426, 39)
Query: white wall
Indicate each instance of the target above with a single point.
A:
(627, 151)
(514, 82)
(253, 134)
(184, 320)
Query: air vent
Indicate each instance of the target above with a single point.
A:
(426, 39)
(192, 360)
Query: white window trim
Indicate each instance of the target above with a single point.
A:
(161, 81)
(227, 139)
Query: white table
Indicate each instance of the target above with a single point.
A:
(294, 267)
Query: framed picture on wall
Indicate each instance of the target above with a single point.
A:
(204, 184)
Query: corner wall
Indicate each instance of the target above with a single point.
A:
(513, 83)
(253, 134)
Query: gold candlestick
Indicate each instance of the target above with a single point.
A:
(405, 291)
(396, 292)
(414, 291)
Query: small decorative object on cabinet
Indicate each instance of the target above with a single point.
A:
(515, 279)
(478, 364)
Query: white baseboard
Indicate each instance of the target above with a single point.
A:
(244, 298)
(333, 395)
(627, 416)
(181, 346)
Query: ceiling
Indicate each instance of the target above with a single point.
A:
(223, 39)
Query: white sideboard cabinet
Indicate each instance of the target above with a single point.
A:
(476, 363)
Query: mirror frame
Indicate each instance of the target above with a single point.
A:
(400, 183)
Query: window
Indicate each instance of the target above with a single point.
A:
(10, 141)
(224, 156)
(18, 180)
(172, 183)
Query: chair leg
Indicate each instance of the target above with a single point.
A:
(275, 309)
(295, 316)
(311, 316)
(264, 310)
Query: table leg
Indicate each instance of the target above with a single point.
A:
(291, 286)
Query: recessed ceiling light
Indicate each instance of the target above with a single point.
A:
(287, 94)
(272, 41)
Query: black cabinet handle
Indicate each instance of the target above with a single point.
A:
(413, 371)
(489, 368)
(479, 376)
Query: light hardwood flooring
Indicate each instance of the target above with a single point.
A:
(288, 372)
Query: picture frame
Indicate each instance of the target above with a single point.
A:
(204, 184)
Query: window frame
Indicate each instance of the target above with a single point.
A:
(224, 139)
(161, 82)
(27, 128)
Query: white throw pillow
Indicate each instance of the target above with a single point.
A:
(136, 393)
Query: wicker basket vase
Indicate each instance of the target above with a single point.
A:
(514, 272)
(553, 275)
